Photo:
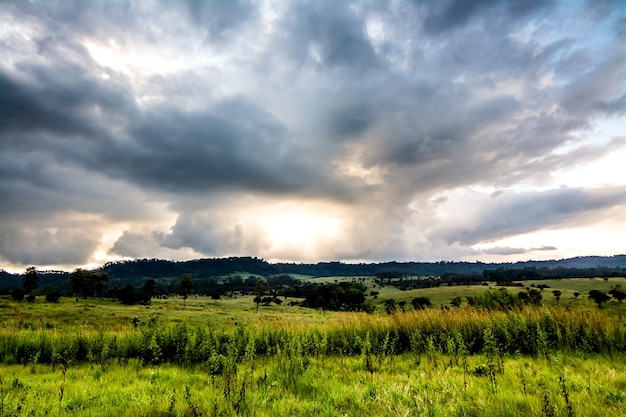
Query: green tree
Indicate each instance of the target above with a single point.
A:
(18, 294)
(618, 294)
(185, 287)
(53, 296)
(534, 296)
(126, 294)
(30, 278)
(456, 301)
(260, 290)
(420, 303)
(148, 287)
(88, 283)
(598, 297)
(391, 306)
(557, 295)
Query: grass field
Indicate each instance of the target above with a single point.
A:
(222, 358)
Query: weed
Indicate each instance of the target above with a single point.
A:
(548, 409)
(366, 350)
(192, 406)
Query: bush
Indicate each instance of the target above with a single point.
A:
(420, 303)
(53, 296)
(18, 294)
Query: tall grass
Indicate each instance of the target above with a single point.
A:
(528, 331)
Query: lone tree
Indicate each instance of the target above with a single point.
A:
(456, 301)
(557, 295)
(598, 297)
(30, 279)
(391, 306)
(260, 290)
(618, 294)
(185, 287)
(420, 303)
(148, 287)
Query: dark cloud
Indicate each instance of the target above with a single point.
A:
(449, 15)
(328, 35)
(220, 17)
(523, 213)
(27, 246)
(127, 115)
(453, 14)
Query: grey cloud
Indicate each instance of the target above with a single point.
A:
(47, 247)
(230, 143)
(334, 31)
(449, 15)
(233, 145)
(594, 91)
(452, 14)
(194, 232)
(500, 250)
(220, 17)
(436, 96)
(528, 212)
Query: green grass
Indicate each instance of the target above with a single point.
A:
(404, 385)
(441, 296)
(210, 357)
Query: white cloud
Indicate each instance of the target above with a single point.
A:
(310, 131)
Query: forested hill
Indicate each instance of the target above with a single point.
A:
(156, 268)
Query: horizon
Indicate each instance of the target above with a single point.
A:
(298, 131)
(320, 262)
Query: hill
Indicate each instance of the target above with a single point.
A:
(159, 268)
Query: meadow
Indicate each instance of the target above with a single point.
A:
(222, 358)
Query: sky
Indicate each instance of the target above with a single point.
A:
(307, 131)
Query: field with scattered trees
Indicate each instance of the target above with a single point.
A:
(265, 345)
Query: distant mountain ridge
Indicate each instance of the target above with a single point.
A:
(159, 268)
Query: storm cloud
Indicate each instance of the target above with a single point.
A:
(310, 131)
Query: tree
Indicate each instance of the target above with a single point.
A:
(618, 294)
(523, 297)
(88, 283)
(30, 279)
(185, 287)
(391, 306)
(598, 297)
(53, 296)
(148, 287)
(420, 303)
(126, 294)
(456, 301)
(557, 295)
(576, 294)
(260, 290)
(18, 294)
(534, 296)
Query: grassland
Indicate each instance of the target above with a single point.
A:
(221, 357)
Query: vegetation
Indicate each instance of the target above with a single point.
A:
(30, 279)
(443, 350)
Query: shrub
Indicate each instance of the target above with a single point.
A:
(18, 294)
(53, 296)
(420, 303)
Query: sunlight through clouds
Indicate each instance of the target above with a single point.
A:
(311, 131)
